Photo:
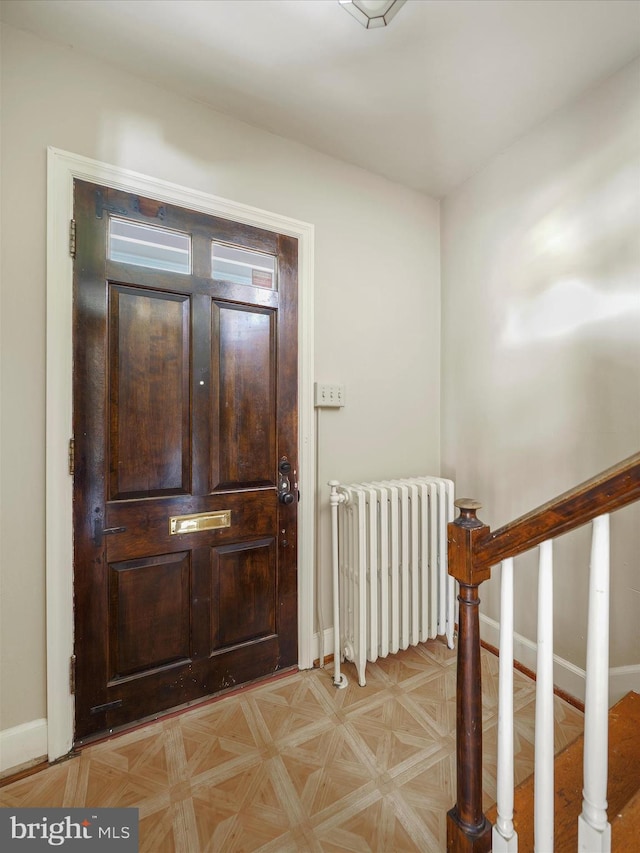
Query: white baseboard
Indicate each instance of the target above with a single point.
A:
(566, 676)
(622, 679)
(327, 636)
(23, 745)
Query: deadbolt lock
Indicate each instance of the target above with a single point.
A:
(285, 495)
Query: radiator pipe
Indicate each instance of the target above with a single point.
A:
(335, 499)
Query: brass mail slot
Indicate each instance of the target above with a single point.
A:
(200, 521)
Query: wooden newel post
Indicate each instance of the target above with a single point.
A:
(468, 830)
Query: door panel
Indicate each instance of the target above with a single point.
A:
(243, 592)
(185, 401)
(143, 638)
(246, 440)
(149, 399)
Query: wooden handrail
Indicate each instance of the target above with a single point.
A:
(608, 491)
(473, 549)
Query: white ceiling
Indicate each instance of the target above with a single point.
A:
(425, 102)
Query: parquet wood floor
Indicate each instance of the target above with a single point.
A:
(296, 765)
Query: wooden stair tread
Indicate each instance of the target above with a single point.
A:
(625, 826)
(623, 785)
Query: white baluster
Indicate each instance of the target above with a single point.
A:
(594, 831)
(505, 838)
(543, 767)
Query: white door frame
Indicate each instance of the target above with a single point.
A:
(63, 168)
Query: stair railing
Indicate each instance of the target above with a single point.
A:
(473, 550)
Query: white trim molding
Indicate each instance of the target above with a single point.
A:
(622, 680)
(327, 645)
(566, 675)
(63, 169)
(23, 745)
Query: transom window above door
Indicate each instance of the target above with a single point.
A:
(242, 266)
(149, 246)
(159, 248)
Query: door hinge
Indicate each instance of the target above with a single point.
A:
(72, 238)
(72, 456)
(72, 675)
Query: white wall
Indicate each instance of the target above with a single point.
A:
(541, 322)
(376, 278)
(541, 343)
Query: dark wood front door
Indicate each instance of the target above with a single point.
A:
(185, 430)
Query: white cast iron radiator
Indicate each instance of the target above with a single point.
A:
(390, 583)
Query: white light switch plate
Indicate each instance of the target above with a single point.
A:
(328, 396)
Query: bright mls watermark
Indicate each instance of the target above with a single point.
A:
(86, 830)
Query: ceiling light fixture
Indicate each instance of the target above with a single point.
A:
(372, 13)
